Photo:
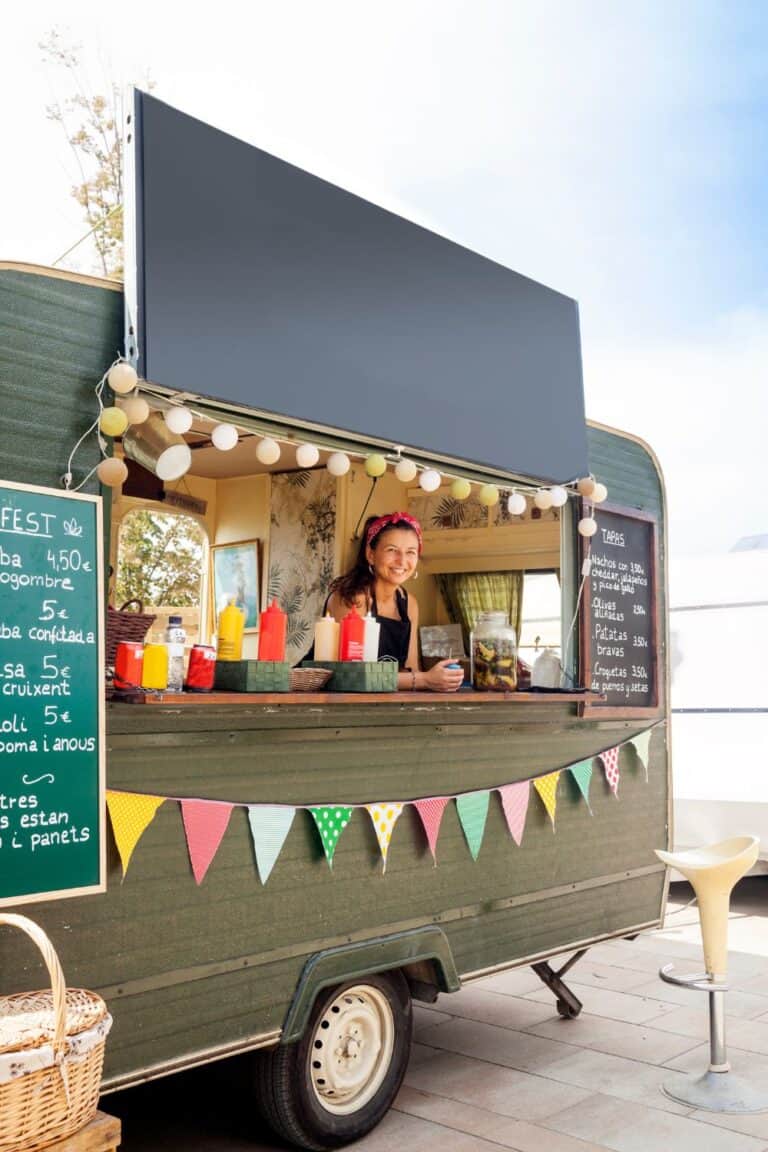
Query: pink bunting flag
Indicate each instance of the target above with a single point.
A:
(610, 759)
(205, 822)
(431, 812)
(514, 801)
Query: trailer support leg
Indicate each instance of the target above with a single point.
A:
(568, 1004)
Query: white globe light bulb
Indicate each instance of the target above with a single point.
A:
(136, 409)
(599, 493)
(543, 499)
(122, 378)
(178, 419)
(430, 480)
(586, 486)
(587, 526)
(405, 470)
(307, 455)
(517, 504)
(224, 437)
(112, 472)
(559, 496)
(268, 451)
(338, 464)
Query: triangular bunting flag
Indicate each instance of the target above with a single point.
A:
(384, 818)
(641, 743)
(514, 801)
(610, 759)
(130, 815)
(582, 774)
(473, 811)
(205, 822)
(331, 821)
(546, 786)
(270, 824)
(431, 812)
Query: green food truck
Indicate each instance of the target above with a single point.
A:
(279, 870)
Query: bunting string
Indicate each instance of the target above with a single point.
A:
(206, 821)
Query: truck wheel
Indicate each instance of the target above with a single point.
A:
(336, 1083)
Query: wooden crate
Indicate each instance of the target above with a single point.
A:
(101, 1135)
(252, 676)
(358, 675)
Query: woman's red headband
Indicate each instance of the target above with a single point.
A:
(394, 520)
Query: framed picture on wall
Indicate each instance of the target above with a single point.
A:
(235, 573)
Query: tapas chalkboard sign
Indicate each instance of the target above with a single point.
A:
(51, 697)
(619, 640)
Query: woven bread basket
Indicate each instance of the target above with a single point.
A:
(51, 1055)
(309, 679)
(123, 625)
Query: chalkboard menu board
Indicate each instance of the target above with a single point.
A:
(51, 711)
(619, 622)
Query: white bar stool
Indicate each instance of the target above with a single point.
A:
(712, 873)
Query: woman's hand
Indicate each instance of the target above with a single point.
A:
(443, 678)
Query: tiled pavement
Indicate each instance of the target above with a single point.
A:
(494, 1066)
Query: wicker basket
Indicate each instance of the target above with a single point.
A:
(51, 1056)
(123, 625)
(309, 679)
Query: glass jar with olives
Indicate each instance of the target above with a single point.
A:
(493, 649)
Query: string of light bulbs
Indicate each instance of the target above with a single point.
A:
(133, 410)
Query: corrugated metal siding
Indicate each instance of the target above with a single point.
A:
(57, 337)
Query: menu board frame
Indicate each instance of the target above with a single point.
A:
(54, 893)
(611, 709)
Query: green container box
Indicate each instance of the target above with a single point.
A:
(252, 676)
(358, 675)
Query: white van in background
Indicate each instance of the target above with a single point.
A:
(718, 624)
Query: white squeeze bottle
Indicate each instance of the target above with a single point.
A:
(327, 638)
(371, 638)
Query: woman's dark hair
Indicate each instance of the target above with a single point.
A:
(359, 579)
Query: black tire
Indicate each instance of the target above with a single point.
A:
(568, 1011)
(294, 1105)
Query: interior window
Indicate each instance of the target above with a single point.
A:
(161, 560)
(541, 625)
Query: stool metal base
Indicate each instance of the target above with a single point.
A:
(716, 1092)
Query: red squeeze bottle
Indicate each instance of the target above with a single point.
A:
(352, 636)
(273, 625)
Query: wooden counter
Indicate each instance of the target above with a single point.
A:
(184, 699)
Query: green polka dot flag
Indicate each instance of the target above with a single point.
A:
(331, 822)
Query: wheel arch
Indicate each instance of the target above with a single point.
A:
(422, 954)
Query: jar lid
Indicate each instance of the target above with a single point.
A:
(174, 620)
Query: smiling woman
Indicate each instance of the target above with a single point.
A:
(388, 556)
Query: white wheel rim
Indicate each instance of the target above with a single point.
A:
(351, 1049)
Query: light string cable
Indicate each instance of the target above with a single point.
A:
(99, 391)
(586, 568)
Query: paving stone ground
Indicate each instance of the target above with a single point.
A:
(494, 1066)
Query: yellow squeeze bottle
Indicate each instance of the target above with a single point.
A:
(231, 625)
(154, 673)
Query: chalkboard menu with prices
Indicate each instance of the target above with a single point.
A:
(51, 697)
(619, 639)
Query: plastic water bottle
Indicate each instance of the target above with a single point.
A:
(175, 638)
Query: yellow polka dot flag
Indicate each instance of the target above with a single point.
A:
(384, 818)
(131, 815)
(546, 786)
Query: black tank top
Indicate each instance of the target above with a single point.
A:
(394, 635)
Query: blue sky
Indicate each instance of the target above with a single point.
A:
(615, 150)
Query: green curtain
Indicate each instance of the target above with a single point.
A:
(466, 594)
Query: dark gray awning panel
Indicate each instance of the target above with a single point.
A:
(265, 286)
